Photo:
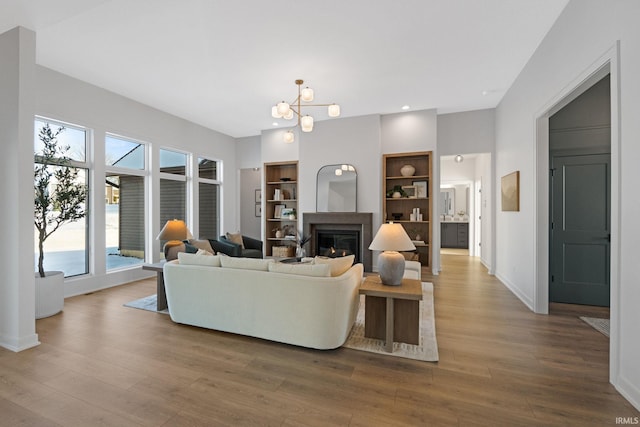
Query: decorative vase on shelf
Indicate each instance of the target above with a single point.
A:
(279, 234)
(396, 195)
(407, 170)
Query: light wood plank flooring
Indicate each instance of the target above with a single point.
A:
(104, 364)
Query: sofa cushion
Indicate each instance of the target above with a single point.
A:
(199, 259)
(338, 265)
(202, 244)
(319, 270)
(235, 238)
(246, 263)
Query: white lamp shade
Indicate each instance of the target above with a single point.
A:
(282, 108)
(306, 123)
(289, 137)
(306, 94)
(289, 115)
(391, 237)
(333, 110)
(338, 172)
(274, 112)
(174, 229)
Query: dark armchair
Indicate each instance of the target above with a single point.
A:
(252, 247)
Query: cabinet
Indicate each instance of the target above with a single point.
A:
(454, 235)
(414, 187)
(281, 208)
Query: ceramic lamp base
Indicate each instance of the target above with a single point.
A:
(391, 268)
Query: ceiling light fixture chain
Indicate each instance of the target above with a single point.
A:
(286, 110)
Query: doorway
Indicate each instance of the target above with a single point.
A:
(464, 206)
(580, 202)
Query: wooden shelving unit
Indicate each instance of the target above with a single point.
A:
(392, 177)
(281, 176)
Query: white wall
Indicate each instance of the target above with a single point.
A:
(70, 100)
(472, 132)
(466, 132)
(17, 105)
(585, 31)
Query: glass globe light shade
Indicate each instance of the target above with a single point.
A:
(289, 115)
(274, 112)
(306, 123)
(306, 94)
(333, 110)
(283, 108)
(289, 137)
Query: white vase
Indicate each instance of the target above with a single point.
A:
(49, 294)
(407, 170)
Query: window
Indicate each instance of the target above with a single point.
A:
(173, 186)
(209, 196)
(66, 249)
(124, 202)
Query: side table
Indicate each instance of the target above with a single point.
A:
(392, 313)
(162, 296)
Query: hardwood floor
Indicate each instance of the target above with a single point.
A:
(104, 364)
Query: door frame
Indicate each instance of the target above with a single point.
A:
(608, 63)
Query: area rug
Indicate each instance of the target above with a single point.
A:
(426, 351)
(147, 303)
(600, 325)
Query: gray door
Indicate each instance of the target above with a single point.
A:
(580, 229)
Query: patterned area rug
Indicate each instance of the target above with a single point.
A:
(426, 351)
(600, 325)
(147, 303)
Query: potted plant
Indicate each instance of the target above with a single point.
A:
(302, 240)
(59, 199)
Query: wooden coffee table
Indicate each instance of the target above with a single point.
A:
(162, 296)
(392, 313)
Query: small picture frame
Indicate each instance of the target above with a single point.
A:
(411, 191)
(421, 189)
(258, 209)
(258, 196)
(286, 213)
(277, 211)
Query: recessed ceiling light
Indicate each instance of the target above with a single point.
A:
(275, 123)
(405, 107)
(485, 92)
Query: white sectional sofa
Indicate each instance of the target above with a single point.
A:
(244, 297)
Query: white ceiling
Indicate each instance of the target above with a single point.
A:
(222, 64)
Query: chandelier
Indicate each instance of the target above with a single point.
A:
(284, 110)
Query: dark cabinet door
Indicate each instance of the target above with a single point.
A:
(448, 235)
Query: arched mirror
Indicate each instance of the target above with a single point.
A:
(336, 189)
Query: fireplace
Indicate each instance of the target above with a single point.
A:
(343, 231)
(337, 243)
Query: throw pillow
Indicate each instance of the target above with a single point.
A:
(319, 270)
(338, 265)
(202, 244)
(196, 259)
(235, 238)
(246, 263)
(189, 248)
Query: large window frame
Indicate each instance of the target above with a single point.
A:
(87, 168)
(184, 178)
(143, 173)
(217, 182)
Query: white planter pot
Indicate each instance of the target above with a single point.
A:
(49, 294)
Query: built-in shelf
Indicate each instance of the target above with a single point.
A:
(392, 177)
(273, 172)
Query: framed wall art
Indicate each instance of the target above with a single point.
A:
(510, 191)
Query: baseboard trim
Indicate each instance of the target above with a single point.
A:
(514, 290)
(18, 344)
(629, 392)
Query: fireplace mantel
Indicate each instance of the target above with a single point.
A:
(311, 221)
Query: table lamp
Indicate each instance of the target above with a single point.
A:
(390, 239)
(174, 232)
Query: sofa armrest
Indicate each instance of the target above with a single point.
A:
(226, 247)
(251, 243)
